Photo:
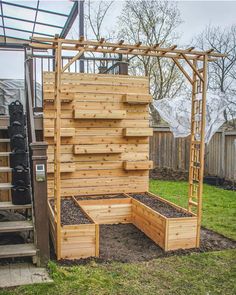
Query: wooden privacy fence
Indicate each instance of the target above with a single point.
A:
(169, 152)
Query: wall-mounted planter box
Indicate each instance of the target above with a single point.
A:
(65, 132)
(138, 165)
(108, 211)
(137, 98)
(170, 233)
(100, 114)
(65, 167)
(76, 241)
(97, 149)
(138, 132)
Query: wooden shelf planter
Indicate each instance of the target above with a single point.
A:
(76, 241)
(168, 233)
(100, 114)
(138, 132)
(138, 165)
(97, 149)
(65, 132)
(137, 98)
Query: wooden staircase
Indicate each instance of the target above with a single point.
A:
(19, 226)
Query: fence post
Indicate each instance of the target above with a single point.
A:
(222, 170)
(123, 68)
(39, 156)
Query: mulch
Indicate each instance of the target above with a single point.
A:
(161, 207)
(71, 213)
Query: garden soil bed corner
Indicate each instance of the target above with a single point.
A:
(168, 225)
(79, 236)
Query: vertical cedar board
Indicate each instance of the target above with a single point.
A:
(94, 173)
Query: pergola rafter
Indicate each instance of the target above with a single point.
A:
(197, 62)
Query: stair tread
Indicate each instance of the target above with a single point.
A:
(4, 140)
(10, 206)
(5, 169)
(19, 250)
(15, 226)
(4, 154)
(5, 185)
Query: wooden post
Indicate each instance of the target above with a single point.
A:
(202, 149)
(57, 148)
(39, 156)
(123, 68)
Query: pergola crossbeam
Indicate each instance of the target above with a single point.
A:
(152, 49)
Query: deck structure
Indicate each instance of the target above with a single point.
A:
(71, 105)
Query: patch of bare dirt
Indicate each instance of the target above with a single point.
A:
(168, 174)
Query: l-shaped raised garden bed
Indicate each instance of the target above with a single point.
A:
(168, 225)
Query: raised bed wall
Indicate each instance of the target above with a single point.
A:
(77, 241)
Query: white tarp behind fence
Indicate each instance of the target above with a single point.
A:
(177, 113)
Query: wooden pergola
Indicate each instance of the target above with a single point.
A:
(197, 61)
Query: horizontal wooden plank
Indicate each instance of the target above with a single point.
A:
(138, 165)
(84, 182)
(65, 132)
(96, 124)
(93, 139)
(69, 149)
(97, 173)
(96, 114)
(64, 167)
(94, 190)
(138, 132)
(80, 87)
(98, 105)
(132, 156)
(95, 77)
(89, 114)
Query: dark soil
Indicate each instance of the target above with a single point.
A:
(168, 174)
(70, 213)
(161, 207)
(104, 197)
(125, 243)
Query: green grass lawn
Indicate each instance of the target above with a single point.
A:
(209, 273)
(219, 205)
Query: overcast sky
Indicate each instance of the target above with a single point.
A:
(195, 15)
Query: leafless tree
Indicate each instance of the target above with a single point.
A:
(153, 22)
(222, 71)
(96, 12)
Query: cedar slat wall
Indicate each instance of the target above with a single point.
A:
(98, 172)
(169, 152)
